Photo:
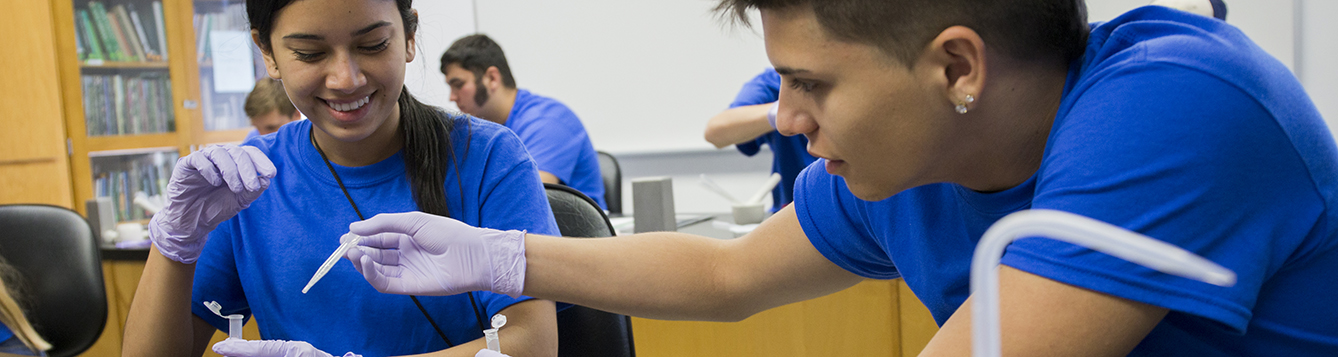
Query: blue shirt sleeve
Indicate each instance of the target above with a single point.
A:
(554, 137)
(763, 88)
(1189, 167)
(834, 220)
(216, 278)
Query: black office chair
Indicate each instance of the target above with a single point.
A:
(613, 182)
(55, 251)
(584, 331)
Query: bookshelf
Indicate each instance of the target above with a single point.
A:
(136, 85)
(140, 88)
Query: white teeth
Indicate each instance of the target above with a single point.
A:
(350, 106)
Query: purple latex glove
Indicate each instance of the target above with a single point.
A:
(490, 353)
(207, 187)
(417, 253)
(270, 348)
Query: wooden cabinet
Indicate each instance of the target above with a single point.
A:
(34, 167)
(873, 318)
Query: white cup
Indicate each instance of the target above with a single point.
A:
(748, 213)
(129, 232)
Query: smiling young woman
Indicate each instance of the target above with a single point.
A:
(248, 225)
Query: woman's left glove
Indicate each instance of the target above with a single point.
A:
(207, 187)
(270, 348)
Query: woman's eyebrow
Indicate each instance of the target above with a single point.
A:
(360, 32)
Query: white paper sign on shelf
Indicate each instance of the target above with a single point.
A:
(234, 69)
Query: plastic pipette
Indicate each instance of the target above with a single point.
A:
(1075, 229)
(490, 335)
(334, 258)
(766, 188)
(711, 185)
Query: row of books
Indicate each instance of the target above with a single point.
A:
(232, 18)
(120, 178)
(127, 105)
(120, 33)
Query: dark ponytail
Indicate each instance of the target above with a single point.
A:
(427, 152)
(426, 129)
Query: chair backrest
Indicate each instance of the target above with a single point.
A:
(584, 331)
(55, 251)
(613, 182)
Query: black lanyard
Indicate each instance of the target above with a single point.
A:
(472, 302)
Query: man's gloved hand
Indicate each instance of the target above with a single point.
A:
(207, 187)
(270, 348)
(417, 253)
(490, 353)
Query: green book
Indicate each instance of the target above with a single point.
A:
(98, 13)
(128, 34)
(90, 37)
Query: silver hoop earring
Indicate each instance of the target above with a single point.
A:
(961, 106)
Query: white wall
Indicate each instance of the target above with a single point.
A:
(440, 22)
(642, 75)
(1318, 52)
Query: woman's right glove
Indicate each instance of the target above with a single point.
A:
(270, 348)
(417, 253)
(207, 187)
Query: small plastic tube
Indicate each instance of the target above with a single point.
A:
(1075, 229)
(235, 326)
(490, 335)
(234, 321)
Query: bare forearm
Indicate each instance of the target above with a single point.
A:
(531, 331)
(160, 322)
(738, 125)
(657, 275)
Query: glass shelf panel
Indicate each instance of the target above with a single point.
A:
(229, 63)
(123, 175)
(122, 50)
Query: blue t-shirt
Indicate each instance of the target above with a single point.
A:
(789, 153)
(558, 142)
(1172, 125)
(258, 262)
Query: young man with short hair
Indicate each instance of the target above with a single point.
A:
(482, 86)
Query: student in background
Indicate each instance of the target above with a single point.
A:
(482, 86)
(933, 119)
(17, 336)
(247, 226)
(751, 122)
(268, 107)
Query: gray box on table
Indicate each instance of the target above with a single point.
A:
(653, 204)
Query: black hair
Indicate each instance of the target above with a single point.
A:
(475, 53)
(426, 129)
(1023, 29)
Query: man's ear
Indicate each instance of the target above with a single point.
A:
(271, 67)
(957, 58)
(492, 78)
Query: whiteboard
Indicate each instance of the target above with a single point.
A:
(643, 76)
(440, 22)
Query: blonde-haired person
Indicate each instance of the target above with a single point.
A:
(268, 107)
(17, 337)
